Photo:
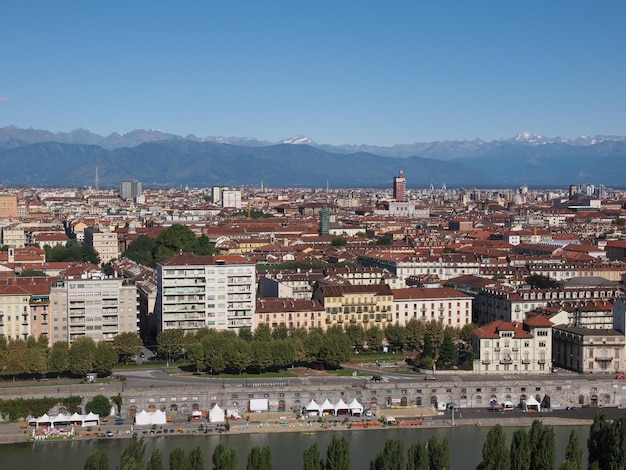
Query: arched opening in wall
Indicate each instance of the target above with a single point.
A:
(522, 398)
(594, 400)
(404, 401)
(281, 406)
(152, 407)
(418, 401)
(507, 398)
(163, 408)
(132, 411)
(373, 404)
(297, 406)
(174, 407)
(195, 407)
(478, 400)
(581, 399)
(184, 409)
(433, 401)
(62, 410)
(388, 401)
(463, 401)
(606, 399)
(493, 400)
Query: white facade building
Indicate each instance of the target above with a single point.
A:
(205, 291)
(448, 306)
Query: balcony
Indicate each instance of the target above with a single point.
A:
(506, 361)
(527, 361)
(486, 361)
(541, 361)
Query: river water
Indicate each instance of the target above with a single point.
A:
(465, 447)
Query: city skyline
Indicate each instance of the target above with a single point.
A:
(376, 74)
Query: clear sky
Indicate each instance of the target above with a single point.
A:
(340, 72)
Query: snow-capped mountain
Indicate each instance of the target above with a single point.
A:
(298, 140)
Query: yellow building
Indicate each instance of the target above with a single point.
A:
(364, 305)
(8, 206)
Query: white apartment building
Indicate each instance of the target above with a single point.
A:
(446, 305)
(231, 198)
(98, 308)
(514, 347)
(205, 291)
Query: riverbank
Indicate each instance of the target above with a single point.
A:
(12, 433)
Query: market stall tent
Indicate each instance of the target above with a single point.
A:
(217, 415)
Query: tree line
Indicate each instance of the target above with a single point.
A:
(33, 357)
(263, 350)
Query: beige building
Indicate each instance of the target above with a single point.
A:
(291, 313)
(448, 306)
(588, 350)
(364, 305)
(8, 206)
(104, 242)
(98, 308)
(13, 236)
(514, 347)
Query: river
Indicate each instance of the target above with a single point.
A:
(465, 447)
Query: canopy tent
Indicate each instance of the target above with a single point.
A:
(531, 404)
(508, 405)
(91, 419)
(341, 406)
(61, 420)
(313, 407)
(217, 415)
(259, 404)
(327, 406)
(146, 418)
(355, 407)
(76, 419)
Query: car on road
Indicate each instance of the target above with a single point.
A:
(620, 376)
(377, 378)
(430, 377)
(110, 433)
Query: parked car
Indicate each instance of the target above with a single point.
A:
(430, 377)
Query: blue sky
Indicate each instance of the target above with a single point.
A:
(353, 72)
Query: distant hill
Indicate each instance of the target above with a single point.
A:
(40, 158)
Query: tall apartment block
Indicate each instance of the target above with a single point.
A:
(8, 205)
(205, 291)
(98, 308)
(104, 242)
(399, 187)
(130, 189)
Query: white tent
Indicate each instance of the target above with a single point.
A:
(355, 407)
(76, 419)
(142, 418)
(61, 420)
(43, 420)
(531, 404)
(341, 405)
(91, 419)
(158, 417)
(313, 407)
(327, 406)
(217, 415)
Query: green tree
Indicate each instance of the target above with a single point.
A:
(195, 460)
(237, 353)
(283, 353)
(178, 459)
(339, 241)
(356, 335)
(374, 336)
(447, 352)
(214, 346)
(520, 450)
(134, 451)
(336, 348)
(280, 332)
(156, 460)
(617, 443)
(598, 441)
(105, 358)
(385, 240)
(36, 360)
(466, 332)
(175, 239)
(141, 251)
(338, 454)
(224, 458)
(195, 353)
(97, 460)
(418, 457)
(391, 458)
(539, 281)
(127, 345)
(245, 333)
(58, 359)
(543, 446)
(263, 333)
(396, 336)
(14, 359)
(82, 355)
(311, 458)
(574, 454)
(171, 343)
(260, 458)
(438, 453)
(99, 405)
(495, 451)
(414, 334)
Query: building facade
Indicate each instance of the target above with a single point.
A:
(448, 306)
(100, 308)
(205, 291)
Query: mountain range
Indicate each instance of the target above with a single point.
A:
(30, 157)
